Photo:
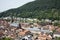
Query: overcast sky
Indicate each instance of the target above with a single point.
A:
(8, 4)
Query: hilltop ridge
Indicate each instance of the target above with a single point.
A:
(41, 9)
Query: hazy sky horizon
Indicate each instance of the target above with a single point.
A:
(8, 4)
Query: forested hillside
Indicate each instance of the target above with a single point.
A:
(40, 9)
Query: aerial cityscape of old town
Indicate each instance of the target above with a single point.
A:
(28, 29)
(29, 19)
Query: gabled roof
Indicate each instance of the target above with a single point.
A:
(14, 24)
(57, 33)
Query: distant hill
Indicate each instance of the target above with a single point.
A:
(40, 9)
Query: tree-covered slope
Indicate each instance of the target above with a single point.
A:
(37, 9)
